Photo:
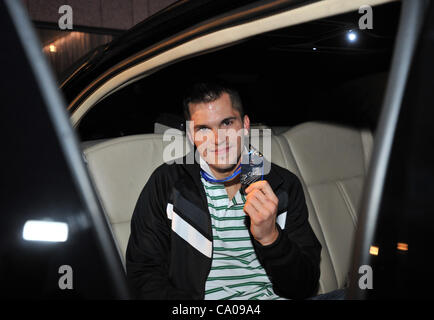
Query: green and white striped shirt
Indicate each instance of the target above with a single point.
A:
(235, 271)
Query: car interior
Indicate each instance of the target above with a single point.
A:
(318, 92)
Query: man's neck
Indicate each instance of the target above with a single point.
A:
(232, 186)
(220, 175)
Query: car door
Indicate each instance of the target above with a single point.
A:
(54, 239)
(392, 257)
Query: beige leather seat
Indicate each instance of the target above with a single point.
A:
(120, 168)
(331, 162)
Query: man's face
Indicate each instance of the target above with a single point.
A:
(216, 130)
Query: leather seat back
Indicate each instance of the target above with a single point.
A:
(332, 162)
(120, 168)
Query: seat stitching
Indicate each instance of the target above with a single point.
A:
(333, 181)
(320, 221)
(347, 201)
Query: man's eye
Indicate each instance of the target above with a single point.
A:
(227, 122)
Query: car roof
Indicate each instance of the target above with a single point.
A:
(177, 17)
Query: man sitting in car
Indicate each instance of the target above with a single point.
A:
(196, 234)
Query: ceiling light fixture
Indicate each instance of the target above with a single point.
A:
(351, 36)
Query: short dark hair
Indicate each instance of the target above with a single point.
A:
(210, 91)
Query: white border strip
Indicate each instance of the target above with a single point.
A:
(189, 233)
(281, 220)
(169, 211)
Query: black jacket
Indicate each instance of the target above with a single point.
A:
(162, 264)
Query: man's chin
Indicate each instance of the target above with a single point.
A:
(222, 168)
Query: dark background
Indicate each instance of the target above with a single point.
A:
(282, 80)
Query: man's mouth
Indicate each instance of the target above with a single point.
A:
(221, 151)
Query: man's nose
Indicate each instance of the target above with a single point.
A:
(219, 136)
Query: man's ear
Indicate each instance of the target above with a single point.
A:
(246, 123)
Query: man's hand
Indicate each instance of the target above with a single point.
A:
(261, 207)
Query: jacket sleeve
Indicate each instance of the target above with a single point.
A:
(148, 250)
(292, 261)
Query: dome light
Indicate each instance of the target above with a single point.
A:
(351, 36)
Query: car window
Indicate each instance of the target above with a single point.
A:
(285, 77)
